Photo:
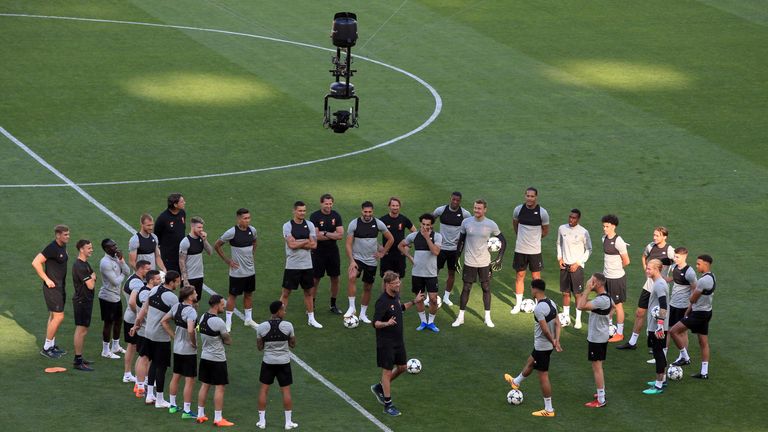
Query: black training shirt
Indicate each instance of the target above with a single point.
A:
(56, 263)
(387, 307)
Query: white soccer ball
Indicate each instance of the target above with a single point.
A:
(675, 373)
(439, 301)
(612, 330)
(351, 321)
(655, 312)
(413, 366)
(515, 397)
(527, 306)
(565, 319)
(494, 244)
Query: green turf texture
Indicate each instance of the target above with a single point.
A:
(653, 111)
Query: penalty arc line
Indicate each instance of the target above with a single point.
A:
(435, 113)
(130, 229)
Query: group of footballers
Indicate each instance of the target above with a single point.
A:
(164, 258)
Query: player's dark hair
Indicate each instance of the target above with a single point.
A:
(298, 204)
(215, 299)
(533, 189)
(611, 219)
(150, 274)
(577, 211)
(275, 306)
(174, 199)
(456, 194)
(326, 196)
(394, 199)
(428, 216)
(706, 258)
(663, 230)
(185, 292)
(366, 204)
(145, 217)
(171, 275)
(600, 279)
(142, 263)
(60, 229)
(82, 243)
(241, 211)
(106, 242)
(481, 201)
(197, 220)
(539, 284)
(681, 250)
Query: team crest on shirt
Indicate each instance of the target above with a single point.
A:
(171, 224)
(182, 220)
(399, 227)
(322, 223)
(333, 221)
(391, 307)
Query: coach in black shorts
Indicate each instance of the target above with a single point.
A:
(396, 224)
(390, 345)
(325, 258)
(84, 280)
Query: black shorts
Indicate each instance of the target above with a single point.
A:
(596, 351)
(472, 274)
(159, 352)
(531, 261)
(240, 285)
(293, 278)
(83, 312)
(388, 355)
(645, 297)
(368, 272)
(213, 372)
(617, 289)
(675, 315)
(658, 345)
(326, 262)
(127, 333)
(198, 284)
(421, 284)
(396, 263)
(572, 282)
(450, 257)
(111, 312)
(541, 360)
(171, 261)
(185, 365)
(280, 371)
(142, 347)
(698, 322)
(55, 298)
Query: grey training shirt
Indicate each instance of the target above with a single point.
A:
(705, 284)
(154, 330)
(276, 352)
(544, 308)
(113, 272)
(130, 315)
(213, 346)
(573, 244)
(681, 293)
(659, 289)
(450, 225)
(298, 259)
(598, 328)
(181, 342)
(424, 261)
(366, 239)
(241, 245)
(476, 243)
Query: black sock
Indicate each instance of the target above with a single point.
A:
(78, 359)
(333, 301)
(387, 401)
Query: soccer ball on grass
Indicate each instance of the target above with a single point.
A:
(413, 366)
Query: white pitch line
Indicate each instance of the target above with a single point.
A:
(131, 230)
(430, 120)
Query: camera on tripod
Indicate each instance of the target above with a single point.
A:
(344, 37)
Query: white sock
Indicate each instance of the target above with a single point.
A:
(150, 390)
(461, 315)
(620, 328)
(200, 411)
(601, 395)
(288, 417)
(159, 396)
(633, 339)
(431, 319)
(172, 399)
(48, 344)
(548, 404)
(216, 416)
(187, 406)
(363, 308)
(704, 368)
(659, 384)
(578, 315)
(105, 347)
(127, 375)
(518, 299)
(141, 385)
(249, 314)
(447, 295)
(311, 316)
(423, 316)
(351, 303)
(519, 379)
(262, 416)
(115, 343)
(684, 354)
(229, 318)
(487, 315)
(567, 311)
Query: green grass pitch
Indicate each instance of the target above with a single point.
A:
(653, 110)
